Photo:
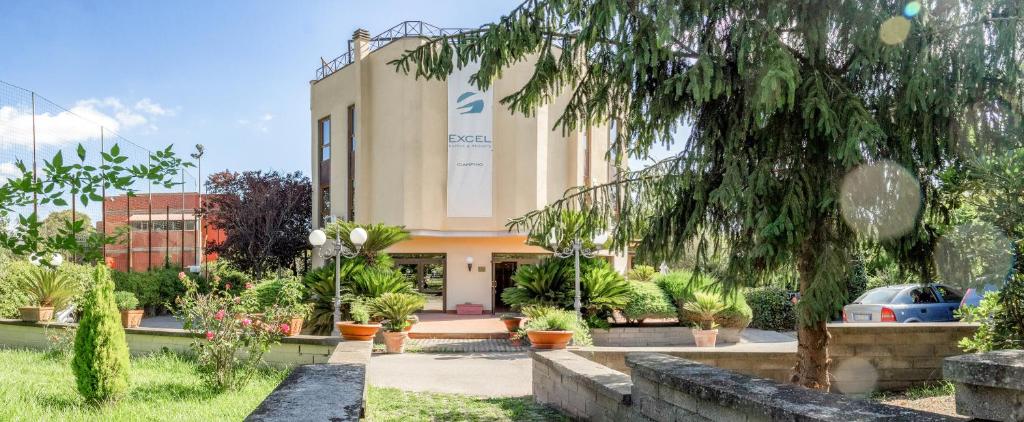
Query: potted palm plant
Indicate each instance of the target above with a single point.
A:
(47, 289)
(360, 328)
(705, 307)
(395, 309)
(550, 328)
(511, 321)
(128, 304)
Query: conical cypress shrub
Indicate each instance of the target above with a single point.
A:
(101, 352)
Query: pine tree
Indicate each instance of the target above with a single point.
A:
(783, 100)
(101, 361)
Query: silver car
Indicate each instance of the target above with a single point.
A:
(904, 303)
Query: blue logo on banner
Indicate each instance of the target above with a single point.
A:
(471, 107)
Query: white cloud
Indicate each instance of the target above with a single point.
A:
(259, 124)
(80, 123)
(147, 106)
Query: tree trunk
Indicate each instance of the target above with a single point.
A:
(813, 361)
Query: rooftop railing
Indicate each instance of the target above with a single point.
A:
(402, 30)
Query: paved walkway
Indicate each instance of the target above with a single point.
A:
(438, 323)
(424, 345)
(163, 321)
(477, 374)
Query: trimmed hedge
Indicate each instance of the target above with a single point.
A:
(681, 285)
(11, 297)
(647, 300)
(772, 309)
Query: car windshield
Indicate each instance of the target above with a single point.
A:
(877, 296)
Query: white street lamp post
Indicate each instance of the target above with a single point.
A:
(576, 249)
(337, 250)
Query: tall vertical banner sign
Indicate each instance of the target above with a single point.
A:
(470, 148)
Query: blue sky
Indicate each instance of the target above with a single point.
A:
(231, 75)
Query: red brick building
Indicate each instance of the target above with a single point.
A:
(163, 228)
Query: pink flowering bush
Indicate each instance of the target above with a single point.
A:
(231, 342)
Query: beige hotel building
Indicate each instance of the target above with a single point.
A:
(442, 159)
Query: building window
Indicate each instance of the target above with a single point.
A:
(325, 138)
(163, 225)
(351, 162)
(325, 205)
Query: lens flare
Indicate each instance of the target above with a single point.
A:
(880, 200)
(855, 376)
(976, 255)
(912, 9)
(989, 129)
(894, 30)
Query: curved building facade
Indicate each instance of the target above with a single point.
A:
(444, 160)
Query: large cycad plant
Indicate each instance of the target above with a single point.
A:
(541, 284)
(604, 291)
(378, 238)
(373, 282)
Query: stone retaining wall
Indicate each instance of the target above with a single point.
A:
(656, 336)
(667, 388)
(876, 356)
(990, 385)
(335, 391)
(900, 355)
(297, 350)
(774, 365)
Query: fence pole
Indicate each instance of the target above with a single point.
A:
(149, 224)
(35, 195)
(182, 218)
(103, 192)
(128, 212)
(167, 237)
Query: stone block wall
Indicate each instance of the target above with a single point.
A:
(774, 365)
(899, 356)
(297, 350)
(578, 387)
(667, 388)
(656, 336)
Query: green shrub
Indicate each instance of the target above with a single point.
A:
(101, 362)
(641, 273)
(682, 286)
(647, 300)
(126, 301)
(156, 289)
(11, 296)
(771, 309)
(359, 313)
(396, 308)
(1001, 318)
(547, 318)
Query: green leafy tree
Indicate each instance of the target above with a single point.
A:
(783, 99)
(79, 181)
(101, 362)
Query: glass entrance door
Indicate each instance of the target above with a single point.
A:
(426, 273)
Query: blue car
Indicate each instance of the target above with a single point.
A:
(905, 303)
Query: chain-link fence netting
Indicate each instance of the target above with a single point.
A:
(149, 225)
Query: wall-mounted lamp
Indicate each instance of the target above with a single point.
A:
(469, 263)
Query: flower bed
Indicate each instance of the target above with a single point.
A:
(38, 387)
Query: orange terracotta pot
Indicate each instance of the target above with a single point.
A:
(394, 341)
(36, 313)
(295, 326)
(359, 332)
(549, 339)
(512, 325)
(705, 338)
(132, 318)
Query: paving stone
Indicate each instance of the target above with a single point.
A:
(430, 345)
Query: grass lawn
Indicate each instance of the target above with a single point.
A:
(36, 387)
(392, 405)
